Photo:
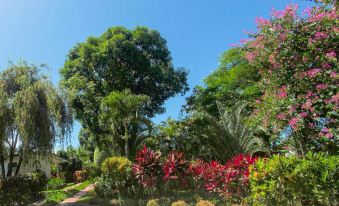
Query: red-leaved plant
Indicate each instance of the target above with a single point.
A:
(175, 168)
(230, 180)
(147, 167)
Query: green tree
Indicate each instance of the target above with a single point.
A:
(234, 80)
(120, 59)
(33, 114)
(124, 110)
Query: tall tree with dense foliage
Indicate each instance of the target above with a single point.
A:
(297, 59)
(120, 59)
(33, 114)
(234, 80)
(123, 113)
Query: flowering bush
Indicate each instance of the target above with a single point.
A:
(297, 60)
(118, 171)
(147, 167)
(175, 168)
(279, 180)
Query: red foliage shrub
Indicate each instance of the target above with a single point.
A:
(175, 167)
(230, 179)
(147, 167)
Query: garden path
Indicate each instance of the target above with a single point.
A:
(72, 200)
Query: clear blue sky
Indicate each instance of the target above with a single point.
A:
(197, 31)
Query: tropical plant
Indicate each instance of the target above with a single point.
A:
(33, 115)
(123, 113)
(147, 167)
(231, 134)
(175, 168)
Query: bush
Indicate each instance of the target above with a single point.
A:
(312, 180)
(204, 203)
(147, 167)
(119, 171)
(104, 187)
(175, 168)
(152, 202)
(92, 170)
(179, 203)
(19, 189)
(56, 183)
(230, 180)
(37, 182)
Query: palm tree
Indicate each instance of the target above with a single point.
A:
(123, 113)
(230, 135)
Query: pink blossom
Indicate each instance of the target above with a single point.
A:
(325, 129)
(250, 56)
(262, 22)
(331, 55)
(281, 116)
(327, 66)
(303, 114)
(333, 74)
(311, 125)
(335, 98)
(282, 92)
(307, 11)
(320, 35)
(309, 94)
(313, 72)
(307, 105)
(321, 86)
(293, 122)
(329, 135)
(258, 101)
(234, 45)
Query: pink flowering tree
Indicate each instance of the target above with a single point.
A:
(297, 59)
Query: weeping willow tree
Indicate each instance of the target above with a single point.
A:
(123, 113)
(33, 115)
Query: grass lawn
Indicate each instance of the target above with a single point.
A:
(191, 198)
(57, 196)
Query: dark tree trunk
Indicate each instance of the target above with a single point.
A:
(2, 162)
(19, 163)
(10, 164)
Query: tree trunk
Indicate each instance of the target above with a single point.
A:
(2, 162)
(10, 164)
(19, 163)
(126, 142)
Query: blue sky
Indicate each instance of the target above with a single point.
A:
(197, 31)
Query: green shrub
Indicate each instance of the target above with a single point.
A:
(56, 183)
(19, 189)
(116, 178)
(152, 202)
(312, 180)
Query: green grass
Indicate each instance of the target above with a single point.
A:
(190, 197)
(57, 196)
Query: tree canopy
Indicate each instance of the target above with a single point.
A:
(120, 59)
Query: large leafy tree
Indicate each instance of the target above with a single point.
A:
(120, 59)
(33, 114)
(234, 80)
(123, 114)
